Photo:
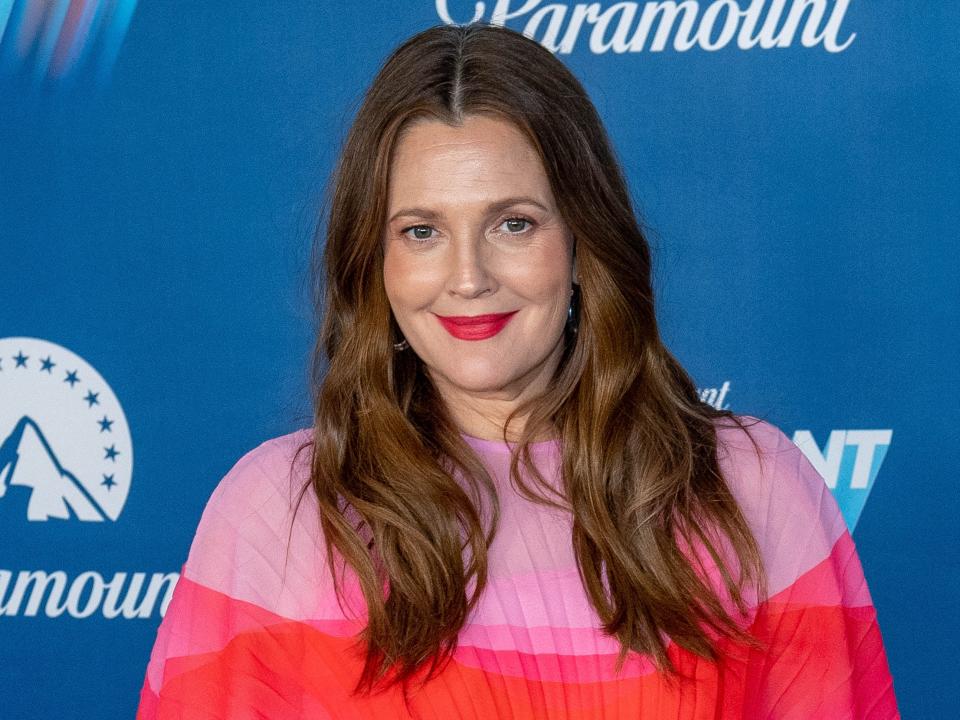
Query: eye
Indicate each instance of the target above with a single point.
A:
(418, 233)
(513, 222)
(422, 233)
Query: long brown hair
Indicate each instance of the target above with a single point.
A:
(639, 449)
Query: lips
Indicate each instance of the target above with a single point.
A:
(475, 327)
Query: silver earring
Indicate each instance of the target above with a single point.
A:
(402, 345)
(571, 310)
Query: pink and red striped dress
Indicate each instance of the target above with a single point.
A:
(255, 632)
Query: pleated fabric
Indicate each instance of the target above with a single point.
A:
(254, 629)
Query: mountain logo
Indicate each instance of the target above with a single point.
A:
(65, 446)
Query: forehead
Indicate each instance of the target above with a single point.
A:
(484, 154)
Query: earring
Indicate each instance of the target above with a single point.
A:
(572, 311)
(402, 345)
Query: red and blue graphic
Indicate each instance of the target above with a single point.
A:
(52, 39)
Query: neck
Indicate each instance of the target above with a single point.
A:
(484, 413)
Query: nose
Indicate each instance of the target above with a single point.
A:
(470, 273)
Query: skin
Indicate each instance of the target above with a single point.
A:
(450, 250)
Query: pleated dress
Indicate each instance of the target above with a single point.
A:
(254, 629)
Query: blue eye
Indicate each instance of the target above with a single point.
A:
(421, 233)
(514, 221)
(415, 236)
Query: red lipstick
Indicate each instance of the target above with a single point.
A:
(475, 327)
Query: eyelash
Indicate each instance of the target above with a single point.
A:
(514, 218)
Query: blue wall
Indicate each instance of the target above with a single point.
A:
(160, 168)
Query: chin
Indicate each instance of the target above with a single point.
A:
(479, 376)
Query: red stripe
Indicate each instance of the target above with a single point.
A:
(825, 659)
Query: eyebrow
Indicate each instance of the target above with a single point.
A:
(492, 208)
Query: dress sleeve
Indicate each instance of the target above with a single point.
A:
(238, 640)
(202, 616)
(824, 656)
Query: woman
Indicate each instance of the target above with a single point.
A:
(512, 503)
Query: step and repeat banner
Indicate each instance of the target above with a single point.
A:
(161, 170)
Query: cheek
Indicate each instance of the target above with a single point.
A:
(543, 278)
(410, 281)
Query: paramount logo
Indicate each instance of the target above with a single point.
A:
(635, 27)
(715, 396)
(87, 594)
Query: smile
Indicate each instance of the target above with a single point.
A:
(475, 327)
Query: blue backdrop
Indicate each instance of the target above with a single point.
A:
(160, 170)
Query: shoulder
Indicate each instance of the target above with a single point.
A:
(785, 501)
(262, 474)
(258, 536)
(759, 460)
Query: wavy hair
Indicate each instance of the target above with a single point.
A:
(640, 473)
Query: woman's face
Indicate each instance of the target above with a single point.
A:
(478, 264)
